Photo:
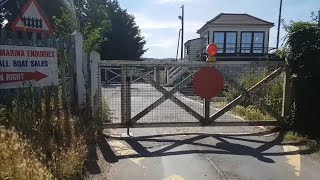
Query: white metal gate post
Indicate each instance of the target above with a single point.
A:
(125, 96)
(80, 89)
(94, 69)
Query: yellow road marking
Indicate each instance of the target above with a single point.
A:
(293, 160)
(121, 149)
(174, 177)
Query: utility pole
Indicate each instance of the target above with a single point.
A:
(279, 23)
(182, 31)
(178, 45)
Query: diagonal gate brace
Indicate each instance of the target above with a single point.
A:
(254, 98)
(176, 100)
(246, 94)
(167, 95)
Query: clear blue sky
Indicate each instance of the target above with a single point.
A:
(159, 23)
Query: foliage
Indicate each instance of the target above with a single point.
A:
(57, 143)
(93, 37)
(124, 40)
(282, 53)
(251, 113)
(65, 24)
(67, 163)
(247, 80)
(294, 137)
(94, 23)
(18, 160)
(270, 95)
(303, 46)
(106, 113)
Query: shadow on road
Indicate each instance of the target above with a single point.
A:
(229, 144)
(91, 163)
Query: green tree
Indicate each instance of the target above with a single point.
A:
(94, 22)
(303, 55)
(65, 23)
(124, 40)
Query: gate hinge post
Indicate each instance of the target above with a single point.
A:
(95, 82)
(287, 94)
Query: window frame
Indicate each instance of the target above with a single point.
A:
(252, 42)
(225, 41)
(263, 39)
(236, 43)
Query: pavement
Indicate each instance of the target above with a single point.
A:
(201, 153)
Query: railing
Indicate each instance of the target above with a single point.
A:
(238, 52)
(174, 73)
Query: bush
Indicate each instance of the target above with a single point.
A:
(303, 54)
(68, 163)
(18, 161)
(57, 143)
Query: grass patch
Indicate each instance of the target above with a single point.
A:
(68, 163)
(106, 112)
(250, 113)
(293, 137)
(220, 104)
(41, 148)
(18, 160)
(247, 113)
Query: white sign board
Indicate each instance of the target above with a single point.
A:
(25, 66)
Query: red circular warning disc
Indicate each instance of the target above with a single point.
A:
(208, 83)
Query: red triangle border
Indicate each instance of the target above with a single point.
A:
(42, 14)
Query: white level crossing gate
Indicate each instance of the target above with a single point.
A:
(137, 94)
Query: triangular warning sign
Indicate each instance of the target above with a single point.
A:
(32, 19)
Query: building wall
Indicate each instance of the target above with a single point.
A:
(206, 35)
(194, 46)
